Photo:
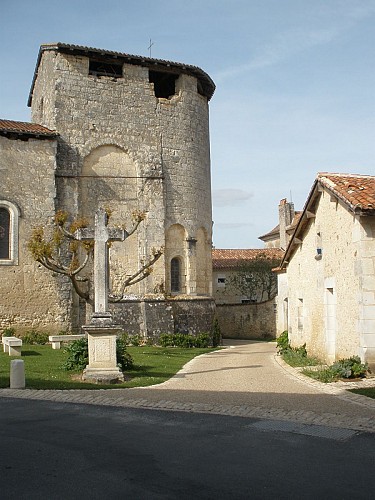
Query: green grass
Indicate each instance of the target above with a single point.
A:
(369, 392)
(43, 367)
(296, 358)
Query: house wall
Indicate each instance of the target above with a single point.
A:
(324, 292)
(30, 296)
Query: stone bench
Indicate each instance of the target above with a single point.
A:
(12, 345)
(57, 339)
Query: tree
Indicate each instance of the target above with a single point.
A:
(61, 251)
(254, 279)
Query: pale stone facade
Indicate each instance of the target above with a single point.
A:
(326, 291)
(131, 134)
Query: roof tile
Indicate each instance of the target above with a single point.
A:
(10, 126)
(232, 258)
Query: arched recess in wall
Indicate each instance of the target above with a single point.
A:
(9, 215)
(109, 180)
(175, 259)
(204, 266)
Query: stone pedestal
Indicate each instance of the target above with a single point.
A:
(101, 335)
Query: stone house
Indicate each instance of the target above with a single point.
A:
(326, 291)
(227, 263)
(116, 131)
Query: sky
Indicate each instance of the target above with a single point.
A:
(295, 86)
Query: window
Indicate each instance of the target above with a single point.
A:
(4, 233)
(175, 275)
(300, 314)
(98, 68)
(221, 281)
(9, 214)
(164, 83)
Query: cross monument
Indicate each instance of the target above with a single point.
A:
(101, 332)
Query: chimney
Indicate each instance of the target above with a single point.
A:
(286, 215)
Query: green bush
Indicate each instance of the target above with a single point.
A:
(78, 355)
(282, 342)
(185, 340)
(216, 333)
(349, 368)
(124, 359)
(343, 368)
(33, 337)
(9, 332)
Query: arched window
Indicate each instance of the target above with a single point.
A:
(175, 275)
(4, 233)
(9, 214)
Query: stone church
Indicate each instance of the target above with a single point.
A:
(123, 132)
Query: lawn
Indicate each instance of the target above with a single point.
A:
(43, 367)
(369, 392)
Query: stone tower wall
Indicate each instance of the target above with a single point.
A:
(166, 141)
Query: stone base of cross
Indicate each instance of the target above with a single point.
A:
(102, 367)
(101, 331)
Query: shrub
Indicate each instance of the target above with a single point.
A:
(349, 368)
(33, 337)
(216, 333)
(185, 340)
(124, 359)
(9, 332)
(135, 340)
(78, 355)
(282, 342)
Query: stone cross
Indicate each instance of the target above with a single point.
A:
(102, 235)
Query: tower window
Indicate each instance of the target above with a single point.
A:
(175, 275)
(164, 83)
(98, 68)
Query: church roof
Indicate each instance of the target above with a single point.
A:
(232, 258)
(10, 127)
(206, 83)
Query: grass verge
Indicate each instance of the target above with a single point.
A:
(369, 392)
(43, 367)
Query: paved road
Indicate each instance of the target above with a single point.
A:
(246, 380)
(236, 424)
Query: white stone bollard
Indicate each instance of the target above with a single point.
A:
(17, 374)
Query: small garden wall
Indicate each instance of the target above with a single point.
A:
(247, 321)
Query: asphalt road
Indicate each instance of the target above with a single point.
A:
(52, 450)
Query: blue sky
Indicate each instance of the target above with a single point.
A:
(295, 86)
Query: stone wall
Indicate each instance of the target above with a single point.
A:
(30, 296)
(247, 321)
(152, 317)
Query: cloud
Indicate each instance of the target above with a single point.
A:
(230, 197)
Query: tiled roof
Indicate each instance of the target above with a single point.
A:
(357, 191)
(206, 83)
(231, 258)
(25, 128)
